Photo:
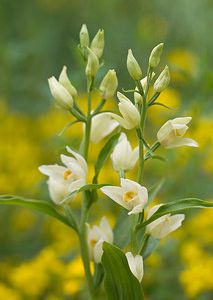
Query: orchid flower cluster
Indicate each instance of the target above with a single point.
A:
(117, 253)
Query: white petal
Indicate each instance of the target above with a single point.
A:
(73, 165)
(76, 185)
(116, 194)
(137, 209)
(58, 191)
(182, 142)
(56, 172)
(139, 267)
(124, 123)
(79, 158)
(130, 185)
(98, 251)
(106, 228)
(182, 121)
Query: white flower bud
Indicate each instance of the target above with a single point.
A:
(84, 36)
(133, 66)
(135, 265)
(92, 63)
(171, 134)
(97, 44)
(64, 80)
(61, 95)
(155, 55)
(137, 96)
(109, 85)
(162, 81)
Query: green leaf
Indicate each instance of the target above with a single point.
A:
(161, 104)
(120, 283)
(84, 188)
(152, 245)
(121, 230)
(104, 153)
(38, 205)
(66, 127)
(176, 206)
(153, 191)
(98, 275)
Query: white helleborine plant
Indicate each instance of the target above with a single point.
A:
(135, 265)
(161, 227)
(64, 180)
(171, 133)
(123, 157)
(131, 116)
(95, 238)
(131, 195)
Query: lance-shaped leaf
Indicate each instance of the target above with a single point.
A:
(120, 283)
(176, 206)
(38, 205)
(120, 230)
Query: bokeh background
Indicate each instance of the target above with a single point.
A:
(38, 255)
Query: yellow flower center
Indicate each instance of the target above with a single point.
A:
(129, 196)
(93, 242)
(67, 174)
(167, 219)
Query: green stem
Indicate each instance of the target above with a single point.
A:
(121, 174)
(144, 244)
(71, 217)
(153, 148)
(99, 107)
(133, 234)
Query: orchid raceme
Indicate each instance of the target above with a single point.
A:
(135, 265)
(123, 157)
(161, 227)
(131, 195)
(64, 180)
(171, 133)
(95, 238)
(131, 116)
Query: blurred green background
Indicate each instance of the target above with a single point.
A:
(37, 39)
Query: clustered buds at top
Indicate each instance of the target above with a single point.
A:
(95, 238)
(133, 66)
(135, 265)
(131, 195)
(161, 227)
(131, 116)
(64, 80)
(109, 85)
(155, 55)
(137, 96)
(171, 133)
(162, 81)
(123, 157)
(84, 36)
(101, 126)
(97, 44)
(92, 63)
(64, 180)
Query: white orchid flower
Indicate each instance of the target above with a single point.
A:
(171, 133)
(161, 227)
(131, 195)
(131, 116)
(135, 265)
(101, 126)
(123, 157)
(95, 238)
(64, 180)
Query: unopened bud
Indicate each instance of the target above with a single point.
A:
(137, 96)
(84, 36)
(97, 44)
(92, 63)
(61, 95)
(109, 85)
(133, 66)
(154, 58)
(64, 80)
(162, 81)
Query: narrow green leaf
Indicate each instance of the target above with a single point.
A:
(104, 153)
(153, 191)
(152, 245)
(66, 127)
(84, 188)
(98, 275)
(120, 283)
(176, 206)
(161, 104)
(38, 205)
(121, 230)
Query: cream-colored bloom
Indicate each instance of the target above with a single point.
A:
(101, 126)
(97, 44)
(84, 36)
(131, 116)
(95, 238)
(155, 55)
(64, 180)
(64, 80)
(123, 157)
(109, 85)
(92, 63)
(161, 227)
(162, 81)
(133, 66)
(171, 134)
(135, 265)
(131, 195)
(61, 95)
(137, 96)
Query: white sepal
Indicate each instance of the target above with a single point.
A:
(135, 265)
